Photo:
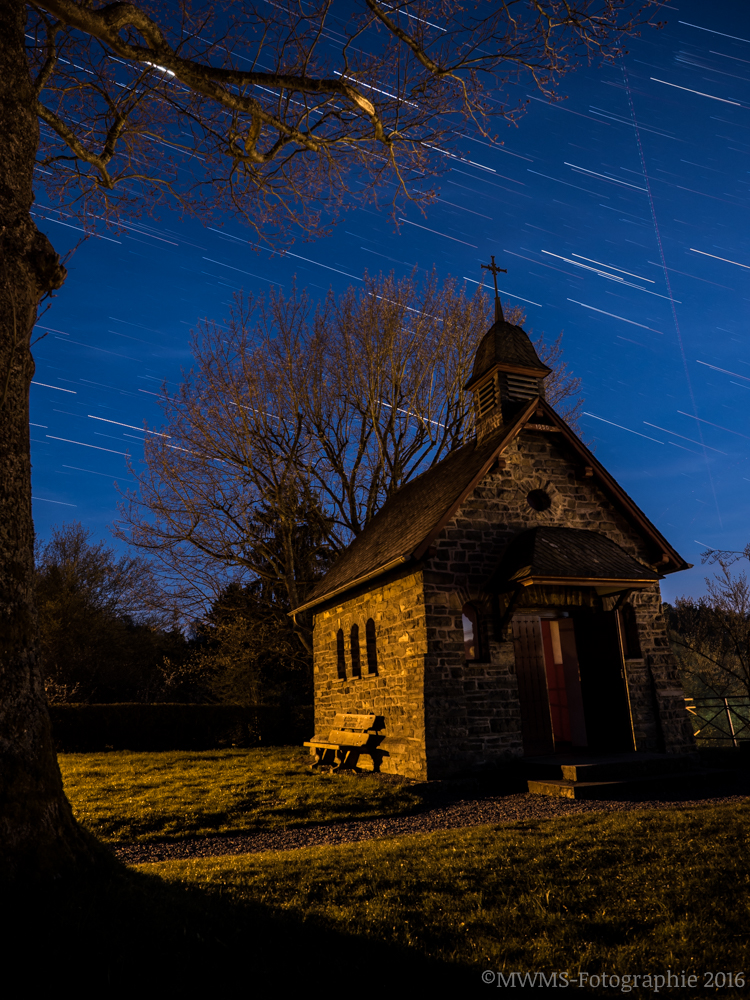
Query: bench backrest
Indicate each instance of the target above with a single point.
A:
(347, 737)
(358, 723)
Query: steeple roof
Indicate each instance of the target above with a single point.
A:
(507, 347)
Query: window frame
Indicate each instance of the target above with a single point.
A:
(355, 653)
(474, 618)
(340, 655)
(371, 647)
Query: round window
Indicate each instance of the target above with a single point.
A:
(539, 500)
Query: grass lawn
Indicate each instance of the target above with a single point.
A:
(129, 797)
(622, 893)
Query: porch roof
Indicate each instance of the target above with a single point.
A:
(573, 556)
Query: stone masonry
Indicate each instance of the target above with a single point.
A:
(439, 544)
(471, 710)
(396, 691)
(441, 713)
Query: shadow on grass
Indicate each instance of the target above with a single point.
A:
(126, 929)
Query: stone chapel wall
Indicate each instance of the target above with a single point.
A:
(657, 698)
(471, 712)
(396, 691)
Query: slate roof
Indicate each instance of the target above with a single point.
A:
(407, 517)
(410, 519)
(567, 554)
(507, 345)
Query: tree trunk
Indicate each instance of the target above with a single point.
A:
(38, 834)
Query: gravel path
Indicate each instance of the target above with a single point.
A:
(449, 816)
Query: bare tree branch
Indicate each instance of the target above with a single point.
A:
(711, 636)
(284, 111)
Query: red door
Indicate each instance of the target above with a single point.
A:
(549, 685)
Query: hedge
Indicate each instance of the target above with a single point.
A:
(87, 728)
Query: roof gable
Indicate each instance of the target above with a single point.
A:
(411, 518)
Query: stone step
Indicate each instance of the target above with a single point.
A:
(615, 767)
(620, 787)
(615, 770)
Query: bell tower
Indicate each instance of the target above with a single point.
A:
(507, 370)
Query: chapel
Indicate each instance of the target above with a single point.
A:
(506, 602)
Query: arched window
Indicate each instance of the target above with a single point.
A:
(354, 643)
(372, 651)
(340, 656)
(470, 621)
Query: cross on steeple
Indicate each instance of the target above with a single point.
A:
(495, 270)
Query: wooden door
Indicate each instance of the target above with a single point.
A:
(557, 688)
(605, 701)
(536, 724)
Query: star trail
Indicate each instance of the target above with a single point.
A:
(620, 214)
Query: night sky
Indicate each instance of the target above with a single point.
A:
(621, 216)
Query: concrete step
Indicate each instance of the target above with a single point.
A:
(621, 787)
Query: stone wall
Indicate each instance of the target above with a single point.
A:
(396, 692)
(472, 715)
(471, 709)
(442, 714)
(657, 698)
(471, 544)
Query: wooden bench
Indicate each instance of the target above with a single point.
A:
(351, 736)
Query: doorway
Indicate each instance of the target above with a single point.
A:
(571, 685)
(563, 684)
(603, 683)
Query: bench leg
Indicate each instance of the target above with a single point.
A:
(347, 759)
(320, 757)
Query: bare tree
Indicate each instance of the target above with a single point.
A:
(276, 108)
(99, 638)
(314, 415)
(268, 111)
(123, 586)
(711, 635)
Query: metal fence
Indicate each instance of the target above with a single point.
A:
(720, 720)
